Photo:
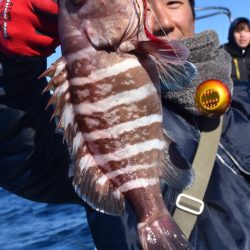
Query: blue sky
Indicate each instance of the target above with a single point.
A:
(219, 23)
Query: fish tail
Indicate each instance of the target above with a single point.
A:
(162, 233)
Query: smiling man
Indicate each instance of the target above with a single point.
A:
(172, 18)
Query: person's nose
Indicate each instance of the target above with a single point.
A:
(159, 21)
(242, 34)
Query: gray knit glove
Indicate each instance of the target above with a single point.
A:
(211, 62)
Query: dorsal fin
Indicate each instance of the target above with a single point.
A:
(101, 195)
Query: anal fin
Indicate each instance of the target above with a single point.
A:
(94, 188)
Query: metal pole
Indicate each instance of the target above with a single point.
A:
(218, 11)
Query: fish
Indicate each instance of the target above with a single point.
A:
(106, 93)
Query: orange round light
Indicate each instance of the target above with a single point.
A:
(212, 98)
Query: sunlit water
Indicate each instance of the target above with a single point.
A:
(25, 225)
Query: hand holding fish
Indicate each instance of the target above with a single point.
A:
(111, 112)
(28, 27)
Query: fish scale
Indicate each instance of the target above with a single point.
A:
(122, 147)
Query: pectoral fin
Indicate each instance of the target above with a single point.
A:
(176, 77)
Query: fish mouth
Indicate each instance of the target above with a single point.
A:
(101, 42)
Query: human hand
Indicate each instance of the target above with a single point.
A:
(28, 27)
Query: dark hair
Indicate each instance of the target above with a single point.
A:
(233, 26)
(192, 4)
(242, 26)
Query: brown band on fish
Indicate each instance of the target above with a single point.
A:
(108, 86)
(119, 140)
(137, 161)
(122, 114)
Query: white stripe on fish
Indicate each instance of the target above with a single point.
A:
(113, 132)
(126, 170)
(73, 33)
(101, 74)
(80, 54)
(120, 154)
(138, 183)
(125, 97)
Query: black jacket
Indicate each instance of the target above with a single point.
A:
(240, 57)
(34, 162)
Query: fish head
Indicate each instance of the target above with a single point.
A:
(104, 23)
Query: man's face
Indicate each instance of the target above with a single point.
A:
(242, 35)
(175, 17)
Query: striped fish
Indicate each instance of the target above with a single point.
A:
(107, 99)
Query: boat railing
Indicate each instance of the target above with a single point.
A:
(214, 10)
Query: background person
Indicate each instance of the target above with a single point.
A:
(238, 47)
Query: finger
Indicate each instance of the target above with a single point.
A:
(46, 26)
(45, 18)
(48, 8)
(46, 45)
